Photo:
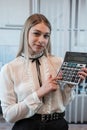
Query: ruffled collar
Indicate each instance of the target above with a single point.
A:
(36, 56)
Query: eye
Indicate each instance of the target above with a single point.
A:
(36, 34)
(46, 36)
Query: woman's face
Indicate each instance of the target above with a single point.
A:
(38, 38)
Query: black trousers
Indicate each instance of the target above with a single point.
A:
(29, 124)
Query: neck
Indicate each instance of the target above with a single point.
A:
(37, 55)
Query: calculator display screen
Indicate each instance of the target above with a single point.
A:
(76, 57)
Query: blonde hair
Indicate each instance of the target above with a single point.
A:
(29, 23)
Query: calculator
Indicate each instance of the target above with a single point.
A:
(73, 62)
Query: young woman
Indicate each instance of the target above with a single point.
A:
(30, 95)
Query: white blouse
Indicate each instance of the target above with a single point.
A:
(18, 85)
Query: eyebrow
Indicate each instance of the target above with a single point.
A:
(41, 31)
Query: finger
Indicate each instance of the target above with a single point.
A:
(84, 69)
(55, 82)
(50, 76)
(82, 73)
(59, 77)
(60, 74)
(82, 76)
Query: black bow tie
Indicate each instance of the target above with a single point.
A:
(36, 59)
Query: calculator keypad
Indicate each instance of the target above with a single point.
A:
(69, 72)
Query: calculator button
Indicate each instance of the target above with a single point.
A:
(70, 72)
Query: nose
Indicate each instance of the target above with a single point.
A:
(41, 39)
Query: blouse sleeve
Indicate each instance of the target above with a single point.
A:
(13, 110)
(68, 94)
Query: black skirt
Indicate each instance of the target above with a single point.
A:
(35, 123)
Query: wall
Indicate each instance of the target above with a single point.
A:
(12, 17)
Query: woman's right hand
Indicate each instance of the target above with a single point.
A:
(49, 85)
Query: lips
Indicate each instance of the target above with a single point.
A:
(39, 46)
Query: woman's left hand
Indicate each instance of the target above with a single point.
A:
(83, 73)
